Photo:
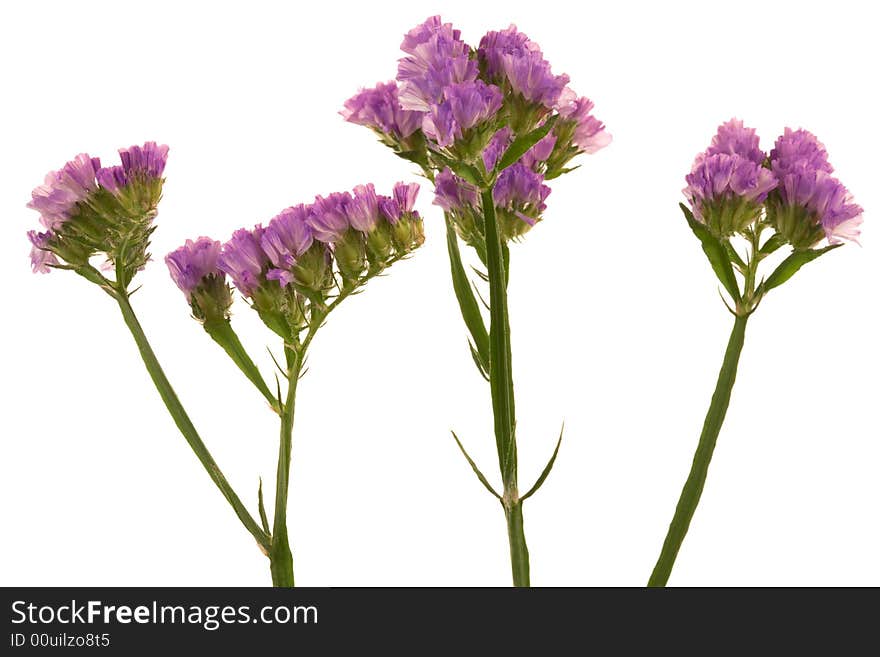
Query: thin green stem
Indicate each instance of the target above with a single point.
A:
(280, 555)
(181, 419)
(501, 384)
(693, 487)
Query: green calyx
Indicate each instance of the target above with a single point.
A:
(795, 224)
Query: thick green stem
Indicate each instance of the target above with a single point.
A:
(693, 487)
(519, 551)
(280, 555)
(181, 419)
(501, 383)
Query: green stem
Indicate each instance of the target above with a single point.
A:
(501, 384)
(280, 555)
(693, 487)
(519, 551)
(181, 419)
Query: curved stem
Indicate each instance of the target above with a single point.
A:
(181, 419)
(693, 487)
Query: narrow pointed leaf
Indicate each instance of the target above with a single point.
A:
(481, 366)
(263, 519)
(735, 257)
(462, 169)
(715, 252)
(772, 244)
(222, 333)
(789, 267)
(547, 468)
(523, 143)
(474, 467)
(470, 310)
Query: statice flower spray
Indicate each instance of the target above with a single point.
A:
(489, 126)
(744, 205)
(293, 272)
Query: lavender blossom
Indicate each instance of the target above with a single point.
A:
(540, 152)
(244, 260)
(363, 208)
(453, 193)
(465, 105)
(509, 56)
(589, 133)
(436, 57)
(726, 191)
(496, 147)
(286, 238)
(41, 257)
(328, 218)
(522, 191)
(400, 203)
(379, 108)
(798, 150)
(56, 199)
(140, 164)
(190, 264)
(734, 138)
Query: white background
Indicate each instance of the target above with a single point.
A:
(617, 324)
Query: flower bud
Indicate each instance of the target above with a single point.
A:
(193, 267)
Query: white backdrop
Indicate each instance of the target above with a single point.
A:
(617, 325)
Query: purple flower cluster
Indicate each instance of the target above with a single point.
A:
(139, 163)
(800, 162)
(522, 192)
(72, 196)
(312, 232)
(379, 108)
(455, 94)
(732, 182)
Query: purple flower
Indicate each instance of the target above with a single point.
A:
(287, 237)
(520, 188)
(363, 208)
(380, 109)
(141, 163)
(328, 218)
(436, 57)
(453, 193)
(192, 262)
(41, 257)
(826, 200)
(401, 202)
(589, 134)
(723, 176)
(496, 147)
(798, 150)
(540, 152)
(734, 138)
(57, 197)
(510, 55)
(466, 104)
(243, 258)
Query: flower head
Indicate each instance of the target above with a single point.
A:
(328, 217)
(734, 138)
(496, 147)
(379, 108)
(453, 193)
(727, 191)
(244, 260)
(141, 165)
(436, 57)
(287, 237)
(42, 257)
(510, 56)
(400, 203)
(57, 198)
(465, 105)
(192, 262)
(589, 134)
(363, 208)
(796, 151)
(522, 192)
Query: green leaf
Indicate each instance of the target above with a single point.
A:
(263, 520)
(470, 310)
(733, 255)
(462, 169)
(772, 244)
(478, 362)
(715, 252)
(476, 470)
(789, 267)
(547, 468)
(523, 143)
